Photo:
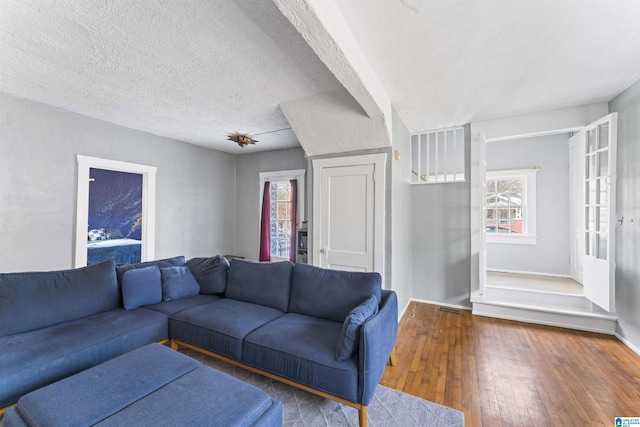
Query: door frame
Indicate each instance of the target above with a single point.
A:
(379, 162)
(576, 193)
(85, 163)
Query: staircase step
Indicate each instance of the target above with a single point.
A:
(546, 308)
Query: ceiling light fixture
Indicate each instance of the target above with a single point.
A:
(244, 139)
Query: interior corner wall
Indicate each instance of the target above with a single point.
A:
(248, 168)
(440, 232)
(627, 298)
(400, 212)
(195, 195)
(551, 254)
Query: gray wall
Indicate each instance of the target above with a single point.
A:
(400, 214)
(551, 254)
(627, 105)
(195, 197)
(248, 168)
(440, 228)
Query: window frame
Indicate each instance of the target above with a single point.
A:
(529, 235)
(279, 176)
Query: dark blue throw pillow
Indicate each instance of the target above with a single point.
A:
(178, 283)
(141, 286)
(348, 342)
(211, 273)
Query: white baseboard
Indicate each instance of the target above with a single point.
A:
(529, 273)
(403, 311)
(628, 343)
(462, 307)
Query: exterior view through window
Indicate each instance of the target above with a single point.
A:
(280, 195)
(504, 207)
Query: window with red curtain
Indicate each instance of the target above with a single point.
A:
(278, 222)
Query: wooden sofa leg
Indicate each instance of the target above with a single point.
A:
(362, 416)
(392, 357)
(174, 345)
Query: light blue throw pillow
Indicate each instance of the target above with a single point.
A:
(350, 333)
(141, 286)
(178, 283)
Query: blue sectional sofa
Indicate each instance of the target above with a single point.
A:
(326, 331)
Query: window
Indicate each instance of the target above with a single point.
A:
(282, 214)
(510, 210)
(437, 156)
(280, 219)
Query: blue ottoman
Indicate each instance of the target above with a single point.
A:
(152, 385)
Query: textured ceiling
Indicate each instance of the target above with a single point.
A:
(451, 62)
(190, 70)
(195, 70)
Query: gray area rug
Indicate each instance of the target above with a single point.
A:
(300, 408)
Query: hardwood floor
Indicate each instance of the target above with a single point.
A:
(505, 373)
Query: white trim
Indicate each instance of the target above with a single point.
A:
(85, 163)
(424, 301)
(628, 343)
(379, 162)
(529, 273)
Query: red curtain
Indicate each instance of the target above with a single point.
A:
(293, 216)
(265, 225)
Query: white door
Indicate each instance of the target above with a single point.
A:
(482, 163)
(577, 207)
(348, 219)
(600, 217)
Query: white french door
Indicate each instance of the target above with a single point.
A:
(576, 212)
(599, 211)
(482, 164)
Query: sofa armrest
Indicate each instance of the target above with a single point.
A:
(377, 338)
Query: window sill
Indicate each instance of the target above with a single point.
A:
(512, 240)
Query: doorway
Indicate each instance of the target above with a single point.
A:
(348, 213)
(586, 224)
(527, 213)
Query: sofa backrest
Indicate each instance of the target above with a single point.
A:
(330, 294)
(263, 283)
(34, 300)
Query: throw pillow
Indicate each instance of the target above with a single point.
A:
(350, 334)
(178, 283)
(141, 286)
(211, 273)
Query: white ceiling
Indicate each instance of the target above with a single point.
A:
(452, 62)
(195, 70)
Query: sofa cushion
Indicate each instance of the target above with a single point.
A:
(93, 395)
(330, 294)
(220, 326)
(33, 359)
(171, 307)
(262, 283)
(178, 283)
(302, 349)
(202, 397)
(167, 262)
(211, 273)
(30, 301)
(350, 333)
(141, 286)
